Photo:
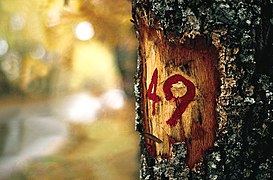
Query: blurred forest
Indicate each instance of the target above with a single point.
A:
(42, 52)
(66, 90)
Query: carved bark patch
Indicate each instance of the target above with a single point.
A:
(180, 86)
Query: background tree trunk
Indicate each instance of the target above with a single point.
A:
(224, 50)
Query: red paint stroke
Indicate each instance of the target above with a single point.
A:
(151, 92)
(181, 102)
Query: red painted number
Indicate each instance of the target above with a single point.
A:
(181, 102)
(151, 92)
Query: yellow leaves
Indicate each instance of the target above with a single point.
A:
(32, 70)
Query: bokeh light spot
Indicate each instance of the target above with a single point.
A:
(38, 52)
(3, 47)
(82, 108)
(17, 23)
(114, 98)
(84, 31)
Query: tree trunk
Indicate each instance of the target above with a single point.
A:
(204, 88)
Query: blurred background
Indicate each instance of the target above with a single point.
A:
(66, 90)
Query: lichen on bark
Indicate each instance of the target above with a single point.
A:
(242, 30)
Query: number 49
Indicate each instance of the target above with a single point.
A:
(181, 102)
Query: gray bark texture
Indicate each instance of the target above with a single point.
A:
(244, 105)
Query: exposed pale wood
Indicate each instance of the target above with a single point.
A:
(196, 61)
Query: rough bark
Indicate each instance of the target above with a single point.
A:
(242, 34)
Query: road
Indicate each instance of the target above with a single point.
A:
(33, 130)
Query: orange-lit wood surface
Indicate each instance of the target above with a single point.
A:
(180, 86)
